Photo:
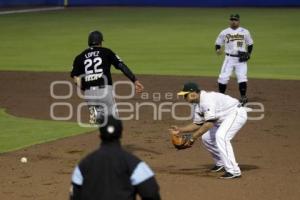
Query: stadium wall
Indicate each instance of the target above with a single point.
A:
(11, 3)
(176, 3)
(200, 3)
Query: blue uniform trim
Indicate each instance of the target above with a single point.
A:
(141, 173)
(77, 177)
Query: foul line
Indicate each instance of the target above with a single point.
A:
(30, 10)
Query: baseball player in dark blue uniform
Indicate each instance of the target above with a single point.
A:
(92, 72)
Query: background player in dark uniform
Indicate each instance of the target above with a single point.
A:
(91, 72)
(111, 173)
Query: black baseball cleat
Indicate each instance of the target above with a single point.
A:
(228, 175)
(217, 168)
(243, 100)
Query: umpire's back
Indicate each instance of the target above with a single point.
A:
(111, 173)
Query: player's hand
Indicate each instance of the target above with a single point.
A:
(189, 143)
(77, 81)
(219, 52)
(174, 130)
(139, 88)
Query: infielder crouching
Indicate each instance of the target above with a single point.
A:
(217, 118)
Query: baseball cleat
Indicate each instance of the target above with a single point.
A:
(217, 168)
(228, 175)
(243, 100)
(93, 114)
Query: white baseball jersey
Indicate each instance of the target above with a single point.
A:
(234, 40)
(213, 106)
(230, 119)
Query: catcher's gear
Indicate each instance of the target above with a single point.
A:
(243, 56)
(182, 141)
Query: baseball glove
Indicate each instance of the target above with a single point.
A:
(243, 56)
(182, 141)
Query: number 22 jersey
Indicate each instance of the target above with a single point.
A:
(93, 65)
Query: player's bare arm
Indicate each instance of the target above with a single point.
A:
(189, 139)
(185, 129)
(203, 129)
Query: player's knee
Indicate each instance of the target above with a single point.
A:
(206, 140)
(241, 79)
(223, 80)
(220, 139)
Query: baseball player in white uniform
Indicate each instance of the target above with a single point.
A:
(238, 46)
(217, 118)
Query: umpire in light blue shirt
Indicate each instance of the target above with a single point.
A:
(111, 173)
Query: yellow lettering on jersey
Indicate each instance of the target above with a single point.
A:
(233, 37)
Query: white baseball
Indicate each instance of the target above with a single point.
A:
(23, 160)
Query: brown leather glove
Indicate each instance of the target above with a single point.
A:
(183, 141)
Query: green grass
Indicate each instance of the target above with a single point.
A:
(168, 41)
(17, 132)
(172, 41)
(175, 41)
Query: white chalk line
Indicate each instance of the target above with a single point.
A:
(30, 10)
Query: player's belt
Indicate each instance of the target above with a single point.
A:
(227, 54)
(95, 87)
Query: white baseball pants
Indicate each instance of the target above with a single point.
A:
(217, 140)
(230, 64)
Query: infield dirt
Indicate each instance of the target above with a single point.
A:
(267, 150)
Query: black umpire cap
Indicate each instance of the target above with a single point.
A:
(95, 38)
(112, 130)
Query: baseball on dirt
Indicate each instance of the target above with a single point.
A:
(23, 160)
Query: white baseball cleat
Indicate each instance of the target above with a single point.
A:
(93, 114)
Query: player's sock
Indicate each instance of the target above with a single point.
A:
(243, 88)
(222, 88)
